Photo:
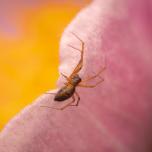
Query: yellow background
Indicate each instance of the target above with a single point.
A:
(29, 44)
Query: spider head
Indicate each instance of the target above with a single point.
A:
(76, 80)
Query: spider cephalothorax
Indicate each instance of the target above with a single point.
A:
(75, 80)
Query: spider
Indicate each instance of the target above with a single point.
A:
(73, 81)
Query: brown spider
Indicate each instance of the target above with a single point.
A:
(74, 80)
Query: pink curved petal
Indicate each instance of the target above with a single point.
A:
(114, 116)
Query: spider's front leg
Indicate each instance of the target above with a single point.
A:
(80, 63)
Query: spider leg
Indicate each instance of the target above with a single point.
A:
(80, 63)
(96, 75)
(66, 77)
(76, 36)
(74, 47)
(77, 102)
(90, 86)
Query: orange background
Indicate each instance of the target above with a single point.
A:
(29, 42)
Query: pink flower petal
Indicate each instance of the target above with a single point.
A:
(114, 116)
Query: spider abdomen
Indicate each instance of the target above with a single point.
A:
(64, 93)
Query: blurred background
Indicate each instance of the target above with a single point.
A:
(30, 32)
